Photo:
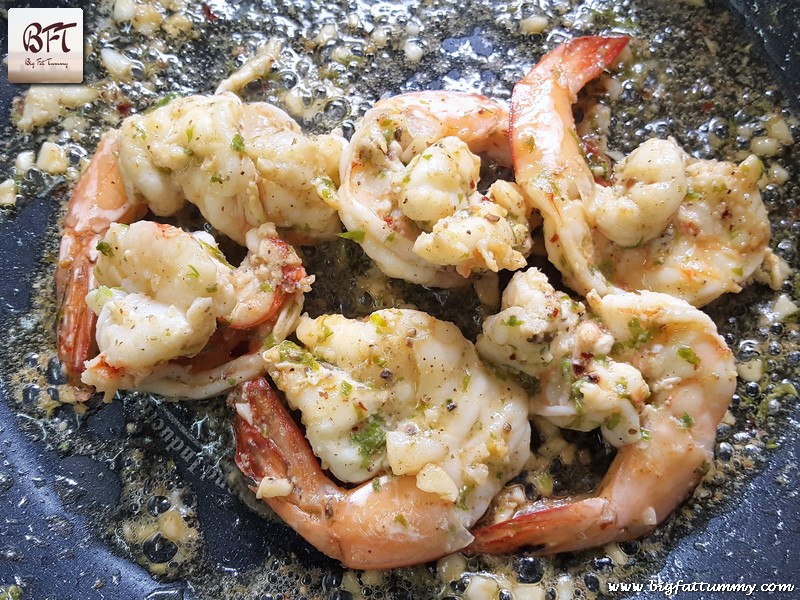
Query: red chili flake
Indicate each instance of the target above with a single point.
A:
(209, 15)
(707, 106)
(124, 108)
(554, 239)
(555, 312)
(362, 407)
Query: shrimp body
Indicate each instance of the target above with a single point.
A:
(581, 382)
(695, 229)
(691, 378)
(242, 164)
(385, 523)
(162, 292)
(409, 189)
(416, 383)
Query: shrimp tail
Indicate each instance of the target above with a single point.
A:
(270, 444)
(385, 523)
(551, 527)
(99, 199)
(576, 63)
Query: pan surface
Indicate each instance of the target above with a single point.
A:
(81, 493)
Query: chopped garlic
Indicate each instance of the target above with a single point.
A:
(533, 25)
(273, 487)
(750, 371)
(52, 159)
(45, 103)
(8, 193)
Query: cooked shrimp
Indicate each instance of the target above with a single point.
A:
(409, 189)
(385, 523)
(404, 394)
(691, 377)
(98, 199)
(163, 290)
(241, 164)
(549, 337)
(695, 229)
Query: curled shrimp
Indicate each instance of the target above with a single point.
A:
(399, 393)
(385, 523)
(242, 164)
(409, 189)
(695, 229)
(691, 377)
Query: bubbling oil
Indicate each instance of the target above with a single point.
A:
(691, 77)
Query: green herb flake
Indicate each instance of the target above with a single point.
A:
(104, 248)
(639, 335)
(347, 388)
(689, 355)
(612, 421)
(463, 495)
(217, 178)
(269, 341)
(389, 238)
(513, 321)
(356, 236)
(465, 381)
(380, 323)
(266, 287)
(212, 289)
(189, 133)
(687, 421)
(237, 143)
(12, 592)
(193, 272)
(215, 253)
(544, 484)
(291, 352)
(231, 381)
(738, 271)
(163, 101)
(370, 437)
(400, 518)
(376, 484)
(646, 435)
(427, 156)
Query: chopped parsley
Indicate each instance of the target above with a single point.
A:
(193, 272)
(291, 352)
(689, 355)
(266, 287)
(356, 236)
(104, 248)
(215, 253)
(687, 421)
(370, 437)
(639, 335)
(513, 321)
(347, 388)
(237, 143)
(400, 518)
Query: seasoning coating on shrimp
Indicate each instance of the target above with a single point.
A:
(404, 393)
(691, 376)
(242, 164)
(409, 189)
(579, 382)
(695, 229)
(385, 523)
(163, 291)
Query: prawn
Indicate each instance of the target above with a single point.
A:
(691, 377)
(695, 229)
(162, 292)
(406, 394)
(220, 153)
(385, 523)
(409, 194)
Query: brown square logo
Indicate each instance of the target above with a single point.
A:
(45, 45)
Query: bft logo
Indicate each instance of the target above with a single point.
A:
(45, 45)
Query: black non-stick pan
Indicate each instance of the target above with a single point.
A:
(69, 505)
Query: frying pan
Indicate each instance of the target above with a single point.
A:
(50, 542)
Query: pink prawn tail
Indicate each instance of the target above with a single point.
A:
(270, 444)
(554, 528)
(577, 62)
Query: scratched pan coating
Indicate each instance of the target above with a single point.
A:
(81, 494)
